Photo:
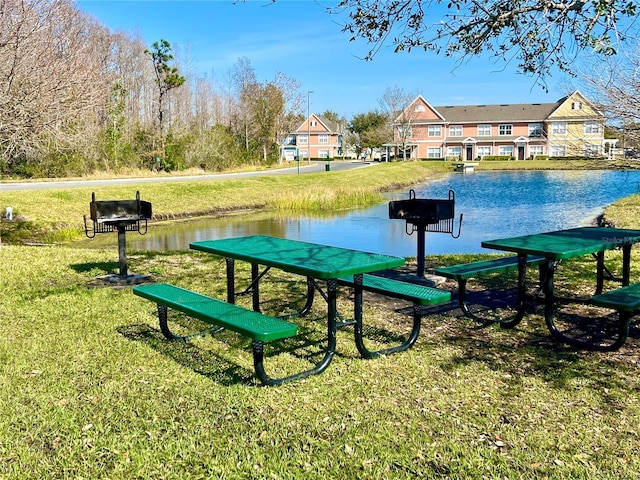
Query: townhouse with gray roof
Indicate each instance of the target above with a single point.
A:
(572, 126)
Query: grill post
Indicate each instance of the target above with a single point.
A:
(122, 250)
(421, 229)
(119, 216)
(425, 215)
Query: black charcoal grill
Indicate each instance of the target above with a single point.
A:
(118, 216)
(425, 215)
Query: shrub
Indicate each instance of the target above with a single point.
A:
(497, 158)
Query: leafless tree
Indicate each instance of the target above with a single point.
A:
(50, 79)
(615, 84)
(395, 102)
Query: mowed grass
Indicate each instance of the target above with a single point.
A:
(55, 215)
(91, 389)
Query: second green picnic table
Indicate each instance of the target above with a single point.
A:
(561, 245)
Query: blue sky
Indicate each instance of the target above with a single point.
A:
(298, 38)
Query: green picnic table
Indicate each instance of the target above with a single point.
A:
(561, 245)
(313, 261)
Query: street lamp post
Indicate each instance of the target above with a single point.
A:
(309, 92)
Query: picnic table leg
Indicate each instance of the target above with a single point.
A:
(626, 265)
(231, 280)
(166, 331)
(311, 291)
(255, 287)
(258, 346)
(522, 293)
(550, 301)
(600, 269)
(358, 329)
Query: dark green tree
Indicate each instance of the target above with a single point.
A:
(370, 129)
(167, 78)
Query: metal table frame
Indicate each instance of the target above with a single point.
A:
(313, 261)
(561, 245)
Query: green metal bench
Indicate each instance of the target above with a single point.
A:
(626, 301)
(420, 295)
(258, 327)
(466, 271)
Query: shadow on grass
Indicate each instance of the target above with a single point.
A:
(189, 355)
(97, 267)
(308, 346)
(529, 350)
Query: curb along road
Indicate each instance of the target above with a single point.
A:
(314, 167)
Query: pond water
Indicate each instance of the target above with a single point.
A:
(494, 205)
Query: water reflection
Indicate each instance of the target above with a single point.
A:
(494, 204)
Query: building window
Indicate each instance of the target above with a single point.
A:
(434, 152)
(505, 129)
(591, 127)
(455, 131)
(535, 129)
(303, 153)
(484, 150)
(434, 131)
(454, 151)
(576, 106)
(484, 130)
(536, 150)
(558, 150)
(592, 150)
(559, 128)
(323, 153)
(323, 138)
(420, 108)
(405, 132)
(505, 150)
(303, 139)
(314, 123)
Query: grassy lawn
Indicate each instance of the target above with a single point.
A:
(91, 389)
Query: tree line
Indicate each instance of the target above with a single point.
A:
(76, 98)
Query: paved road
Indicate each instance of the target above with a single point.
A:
(304, 168)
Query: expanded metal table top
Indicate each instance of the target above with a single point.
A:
(569, 243)
(310, 259)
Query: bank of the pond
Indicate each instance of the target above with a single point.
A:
(55, 215)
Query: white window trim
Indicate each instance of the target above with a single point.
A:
(454, 151)
(434, 152)
(439, 134)
(484, 126)
(536, 150)
(481, 148)
(535, 129)
(505, 126)
(559, 128)
(591, 127)
(451, 127)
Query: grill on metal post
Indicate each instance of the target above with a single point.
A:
(121, 216)
(425, 215)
